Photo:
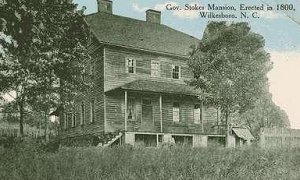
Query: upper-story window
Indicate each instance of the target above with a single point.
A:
(175, 72)
(130, 65)
(155, 69)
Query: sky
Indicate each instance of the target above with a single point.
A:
(281, 33)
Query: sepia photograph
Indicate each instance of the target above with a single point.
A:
(154, 90)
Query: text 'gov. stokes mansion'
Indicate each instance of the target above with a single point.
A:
(140, 70)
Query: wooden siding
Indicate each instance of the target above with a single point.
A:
(115, 71)
(95, 94)
(110, 105)
(115, 113)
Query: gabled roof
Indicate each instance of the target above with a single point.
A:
(118, 30)
(160, 87)
(243, 133)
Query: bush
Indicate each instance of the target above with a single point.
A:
(9, 141)
(51, 146)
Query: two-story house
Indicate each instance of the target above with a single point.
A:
(139, 69)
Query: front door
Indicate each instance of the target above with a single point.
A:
(147, 115)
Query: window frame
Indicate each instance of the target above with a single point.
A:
(132, 65)
(174, 72)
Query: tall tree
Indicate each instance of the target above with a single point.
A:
(230, 66)
(44, 51)
(264, 114)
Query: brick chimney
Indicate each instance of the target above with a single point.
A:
(105, 6)
(153, 16)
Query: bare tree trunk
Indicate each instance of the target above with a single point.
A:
(227, 127)
(46, 127)
(21, 111)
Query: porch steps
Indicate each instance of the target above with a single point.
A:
(109, 143)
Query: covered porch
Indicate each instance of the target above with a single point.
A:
(159, 107)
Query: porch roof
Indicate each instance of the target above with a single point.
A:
(161, 87)
(243, 133)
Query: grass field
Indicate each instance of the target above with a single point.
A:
(149, 163)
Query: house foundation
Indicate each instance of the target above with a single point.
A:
(156, 139)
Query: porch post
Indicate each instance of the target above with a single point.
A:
(160, 113)
(218, 120)
(125, 111)
(201, 116)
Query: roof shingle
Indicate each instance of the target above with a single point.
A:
(129, 32)
(243, 133)
(161, 87)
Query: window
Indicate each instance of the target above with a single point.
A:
(74, 120)
(92, 111)
(176, 112)
(197, 114)
(82, 114)
(155, 69)
(175, 72)
(130, 109)
(130, 65)
(65, 121)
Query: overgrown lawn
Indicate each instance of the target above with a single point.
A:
(149, 163)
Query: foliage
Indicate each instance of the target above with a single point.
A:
(45, 48)
(230, 66)
(148, 163)
(29, 144)
(81, 141)
(264, 114)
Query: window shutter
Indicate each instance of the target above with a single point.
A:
(172, 71)
(179, 72)
(126, 65)
(134, 65)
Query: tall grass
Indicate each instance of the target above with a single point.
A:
(150, 163)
